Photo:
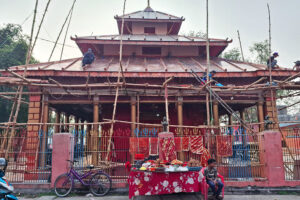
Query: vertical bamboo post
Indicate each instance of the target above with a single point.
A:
(241, 47)
(45, 131)
(133, 115)
(270, 68)
(118, 82)
(208, 63)
(138, 111)
(67, 121)
(180, 123)
(167, 106)
(216, 113)
(260, 115)
(95, 132)
(57, 121)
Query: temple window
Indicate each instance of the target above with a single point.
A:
(151, 51)
(149, 30)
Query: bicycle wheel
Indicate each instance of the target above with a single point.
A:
(63, 185)
(100, 184)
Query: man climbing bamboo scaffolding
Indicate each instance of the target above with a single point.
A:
(88, 58)
(272, 62)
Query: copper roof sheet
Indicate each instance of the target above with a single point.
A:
(163, 38)
(139, 64)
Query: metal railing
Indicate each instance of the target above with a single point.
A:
(29, 157)
(239, 155)
(291, 153)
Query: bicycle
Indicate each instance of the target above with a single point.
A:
(100, 183)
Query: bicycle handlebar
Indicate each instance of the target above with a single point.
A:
(74, 161)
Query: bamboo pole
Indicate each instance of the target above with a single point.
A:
(29, 52)
(208, 63)
(117, 91)
(241, 47)
(270, 68)
(167, 108)
(61, 30)
(8, 126)
(40, 26)
(67, 30)
(20, 89)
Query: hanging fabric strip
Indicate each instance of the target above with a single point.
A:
(153, 149)
(196, 144)
(224, 145)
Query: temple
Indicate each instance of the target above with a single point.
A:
(157, 62)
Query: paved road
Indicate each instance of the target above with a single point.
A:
(177, 197)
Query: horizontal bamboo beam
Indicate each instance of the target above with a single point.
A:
(12, 99)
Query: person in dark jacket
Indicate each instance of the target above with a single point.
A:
(272, 62)
(88, 58)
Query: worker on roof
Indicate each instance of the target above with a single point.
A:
(297, 66)
(272, 62)
(88, 58)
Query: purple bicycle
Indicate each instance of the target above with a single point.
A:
(99, 182)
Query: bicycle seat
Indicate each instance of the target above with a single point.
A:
(90, 167)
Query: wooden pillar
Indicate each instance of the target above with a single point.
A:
(180, 122)
(242, 114)
(260, 115)
(88, 137)
(94, 137)
(82, 125)
(57, 121)
(230, 123)
(45, 131)
(76, 127)
(133, 115)
(67, 121)
(76, 132)
(216, 113)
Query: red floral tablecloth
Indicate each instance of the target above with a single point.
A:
(154, 183)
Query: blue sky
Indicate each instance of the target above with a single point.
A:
(95, 17)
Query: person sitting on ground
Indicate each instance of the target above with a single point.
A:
(211, 175)
(272, 62)
(88, 58)
(297, 66)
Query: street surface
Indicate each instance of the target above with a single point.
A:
(176, 197)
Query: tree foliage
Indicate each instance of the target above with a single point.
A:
(232, 54)
(13, 50)
(260, 51)
(195, 34)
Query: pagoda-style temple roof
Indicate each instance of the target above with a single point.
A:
(149, 14)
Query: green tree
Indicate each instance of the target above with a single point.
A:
(232, 54)
(260, 50)
(195, 34)
(13, 50)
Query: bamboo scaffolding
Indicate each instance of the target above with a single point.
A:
(20, 89)
(61, 30)
(8, 126)
(67, 30)
(118, 82)
(12, 99)
(40, 26)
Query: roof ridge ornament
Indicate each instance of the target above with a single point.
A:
(148, 9)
